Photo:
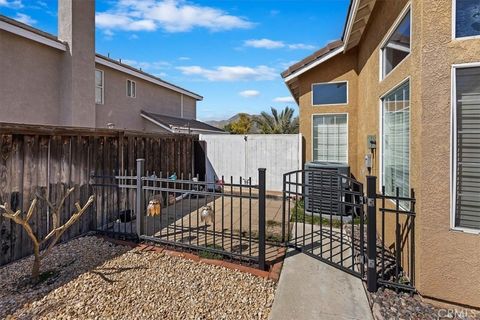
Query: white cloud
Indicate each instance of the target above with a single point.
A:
(169, 15)
(16, 4)
(288, 99)
(273, 44)
(264, 43)
(183, 58)
(301, 46)
(23, 18)
(233, 73)
(249, 93)
(110, 21)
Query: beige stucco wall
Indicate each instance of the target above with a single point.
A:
(450, 260)
(340, 68)
(124, 112)
(76, 26)
(447, 262)
(29, 81)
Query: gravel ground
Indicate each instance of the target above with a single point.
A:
(99, 280)
(388, 304)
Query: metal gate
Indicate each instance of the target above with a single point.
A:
(323, 216)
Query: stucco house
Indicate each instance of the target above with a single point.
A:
(60, 80)
(402, 89)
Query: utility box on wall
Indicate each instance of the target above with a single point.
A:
(371, 141)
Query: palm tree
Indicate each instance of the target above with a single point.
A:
(275, 123)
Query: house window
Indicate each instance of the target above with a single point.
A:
(396, 142)
(397, 46)
(99, 86)
(467, 18)
(131, 89)
(330, 138)
(467, 148)
(330, 93)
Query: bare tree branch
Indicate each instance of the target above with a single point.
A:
(57, 231)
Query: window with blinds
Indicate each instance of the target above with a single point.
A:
(330, 138)
(467, 151)
(396, 142)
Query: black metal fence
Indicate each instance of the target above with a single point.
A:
(390, 239)
(324, 217)
(217, 219)
(324, 212)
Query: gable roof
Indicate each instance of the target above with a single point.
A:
(357, 18)
(310, 60)
(26, 31)
(174, 124)
(125, 68)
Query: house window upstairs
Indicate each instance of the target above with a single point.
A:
(99, 87)
(397, 46)
(131, 89)
(466, 18)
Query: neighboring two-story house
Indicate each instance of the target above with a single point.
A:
(402, 86)
(60, 80)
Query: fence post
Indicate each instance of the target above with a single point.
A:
(261, 218)
(372, 233)
(139, 210)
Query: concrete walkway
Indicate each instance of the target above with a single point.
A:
(310, 289)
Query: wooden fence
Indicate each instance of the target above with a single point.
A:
(48, 160)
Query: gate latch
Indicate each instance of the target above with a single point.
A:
(371, 263)
(371, 202)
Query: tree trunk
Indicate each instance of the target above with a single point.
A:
(36, 268)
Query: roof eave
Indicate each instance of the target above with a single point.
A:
(358, 16)
(315, 63)
(106, 61)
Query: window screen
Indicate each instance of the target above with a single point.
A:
(467, 15)
(397, 47)
(396, 142)
(467, 186)
(330, 138)
(329, 93)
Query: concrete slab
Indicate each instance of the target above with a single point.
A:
(310, 289)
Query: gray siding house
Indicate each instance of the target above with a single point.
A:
(61, 81)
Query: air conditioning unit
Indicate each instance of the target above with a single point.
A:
(323, 188)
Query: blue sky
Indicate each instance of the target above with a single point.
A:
(230, 52)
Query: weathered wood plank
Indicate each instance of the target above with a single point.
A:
(48, 161)
(6, 230)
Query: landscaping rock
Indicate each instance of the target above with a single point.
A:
(116, 282)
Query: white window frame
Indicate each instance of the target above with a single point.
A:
(331, 82)
(331, 114)
(102, 87)
(134, 92)
(406, 9)
(454, 25)
(380, 138)
(453, 145)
